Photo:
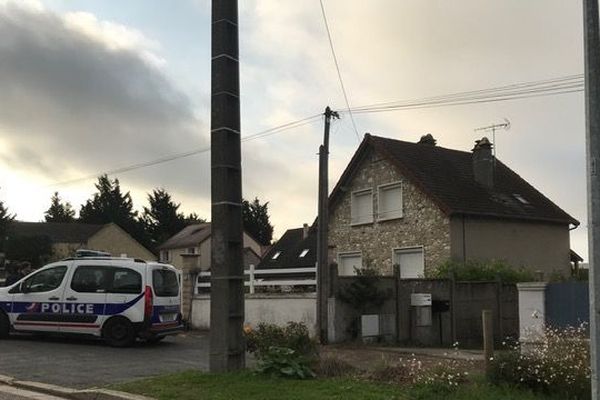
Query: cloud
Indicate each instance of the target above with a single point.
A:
(80, 95)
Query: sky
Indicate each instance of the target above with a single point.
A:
(90, 86)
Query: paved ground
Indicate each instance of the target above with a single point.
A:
(83, 363)
(11, 393)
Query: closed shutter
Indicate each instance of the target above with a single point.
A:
(390, 201)
(411, 262)
(349, 263)
(362, 207)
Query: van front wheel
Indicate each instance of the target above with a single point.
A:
(4, 325)
(119, 332)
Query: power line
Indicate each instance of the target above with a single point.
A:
(172, 157)
(337, 67)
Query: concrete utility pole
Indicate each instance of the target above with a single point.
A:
(323, 229)
(227, 350)
(592, 112)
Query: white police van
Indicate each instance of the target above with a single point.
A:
(118, 299)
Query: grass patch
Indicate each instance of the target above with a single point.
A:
(249, 386)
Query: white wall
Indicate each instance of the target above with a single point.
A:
(276, 309)
(532, 310)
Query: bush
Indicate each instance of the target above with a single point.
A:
(559, 364)
(482, 271)
(285, 362)
(293, 336)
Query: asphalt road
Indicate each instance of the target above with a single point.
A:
(83, 363)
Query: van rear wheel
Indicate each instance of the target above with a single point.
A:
(119, 332)
(4, 325)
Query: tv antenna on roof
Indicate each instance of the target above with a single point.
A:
(493, 128)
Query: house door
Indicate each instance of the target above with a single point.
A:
(411, 262)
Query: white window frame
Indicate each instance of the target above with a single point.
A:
(408, 249)
(343, 254)
(303, 253)
(384, 187)
(276, 255)
(167, 254)
(352, 205)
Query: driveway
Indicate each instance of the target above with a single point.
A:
(83, 363)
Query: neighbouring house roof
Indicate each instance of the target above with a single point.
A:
(446, 176)
(58, 232)
(575, 257)
(190, 236)
(291, 245)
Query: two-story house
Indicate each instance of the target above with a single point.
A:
(417, 205)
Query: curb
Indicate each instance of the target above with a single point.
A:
(69, 393)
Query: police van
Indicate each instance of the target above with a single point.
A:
(118, 299)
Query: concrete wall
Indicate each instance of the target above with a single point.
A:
(422, 224)
(276, 309)
(116, 241)
(534, 245)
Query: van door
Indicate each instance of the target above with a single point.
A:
(37, 300)
(166, 311)
(84, 298)
(125, 293)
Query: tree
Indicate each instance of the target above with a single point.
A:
(109, 204)
(5, 219)
(255, 217)
(58, 211)
(35, 249)
(162, 219)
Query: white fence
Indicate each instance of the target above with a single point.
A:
(279, 278)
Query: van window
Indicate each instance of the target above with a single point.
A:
(101, 279)
(165, 283)
(126, 281)
(45, 281)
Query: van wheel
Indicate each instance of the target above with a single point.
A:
(4, 325)
(119, 332)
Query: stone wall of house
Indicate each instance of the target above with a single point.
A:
(63, 250)
(423, 223)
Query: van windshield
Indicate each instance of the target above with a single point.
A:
(165, 283)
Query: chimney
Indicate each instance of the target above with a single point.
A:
(428, 140)
(483, 162)
(304, 231)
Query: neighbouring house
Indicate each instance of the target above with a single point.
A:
(418, 205)
(195, 239)
(66, 238)
(297, 248)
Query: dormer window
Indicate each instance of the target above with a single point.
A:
(303, 254)
(521, 199)
(276, 255)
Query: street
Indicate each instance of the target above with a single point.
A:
(83, 362)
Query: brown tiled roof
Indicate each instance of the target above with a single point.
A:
(446, 176)
(58, 232)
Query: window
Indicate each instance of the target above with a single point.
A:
(276, 255)
(349, 263)
(165, 255)
(44, 281)
(165, 283)
(521, 199)
(90, 279)
(126, 281)
(303, 254)
(191, 250)
(362, 207)
(390, 201)
(411, 262)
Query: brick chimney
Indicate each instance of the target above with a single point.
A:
(305, 231)
(483, 162)
(428, 140)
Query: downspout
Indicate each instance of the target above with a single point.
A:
(464, 240)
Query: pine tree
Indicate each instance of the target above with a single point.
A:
(5, 219)
(109, 204)
(58, 211)
(255, 217)
(162, 219)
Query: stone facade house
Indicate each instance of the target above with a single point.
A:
(418, 205)
(66, 238)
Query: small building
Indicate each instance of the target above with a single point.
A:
(67, 237)
(297, 248)
(195, 239)
(418, 205)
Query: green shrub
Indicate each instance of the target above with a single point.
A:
(285, 362)
(294, 336)
(558, 364)
(482, 271)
